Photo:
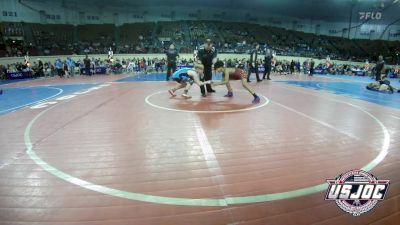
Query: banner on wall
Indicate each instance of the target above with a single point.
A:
(359, 73)
(319, 71)
(18, 75)
(101, 70)
(98, 70)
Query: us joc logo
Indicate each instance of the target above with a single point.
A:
(356, 191)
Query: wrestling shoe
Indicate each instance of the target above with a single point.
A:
(256, 100)
(186, 96)
(172, 93)
(229, 95)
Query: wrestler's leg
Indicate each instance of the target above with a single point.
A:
(173, 90)
(187, 88)
(250, 90)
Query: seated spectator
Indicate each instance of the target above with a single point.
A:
(47, 70)
(117, 69)
(3, 72)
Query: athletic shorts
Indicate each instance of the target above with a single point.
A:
(238, 75)
(183, 78)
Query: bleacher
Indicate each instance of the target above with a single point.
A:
(172, 30)
(233, 32)
(52, 33)
(133, 34)
(100, 33)
(10, 29)
(187, 35)
(201, 30)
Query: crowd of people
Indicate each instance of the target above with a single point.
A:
(262, 59)
(69, 67)
(227, 38)
(87, 66)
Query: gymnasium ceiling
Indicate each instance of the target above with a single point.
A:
(328, 10)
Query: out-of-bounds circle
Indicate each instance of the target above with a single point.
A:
(229, 104)
(21, 97)
(199, 201)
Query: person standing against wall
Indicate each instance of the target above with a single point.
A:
(71, 66)
(379, 68)
(59, 67)
(27, 61)
(267, 64)
(110, 55)
(86, 62)
(40, 68)
(253, 64)
(291, 67)
(312, 63)
(172, 54)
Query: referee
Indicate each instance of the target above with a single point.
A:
(172, 54)
(207, 56)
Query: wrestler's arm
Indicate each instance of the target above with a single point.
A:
(225, 77)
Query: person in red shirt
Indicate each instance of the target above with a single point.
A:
(233, 74)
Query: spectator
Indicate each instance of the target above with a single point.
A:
(87, 64)
(172, 54)
(59, 67)
(253, 64)
(267, 64)
(71, 66)
(312, 67)
(379, 68)
(40, 68)
(292, 64)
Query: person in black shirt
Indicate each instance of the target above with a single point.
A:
(41, 68)
(3, 72)
(207, 56)
(39, 71)
(86, 62)
(291, 67)
(312, 63)
(267, 64)
(172, 54)
(380, 65)
(253, 65)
